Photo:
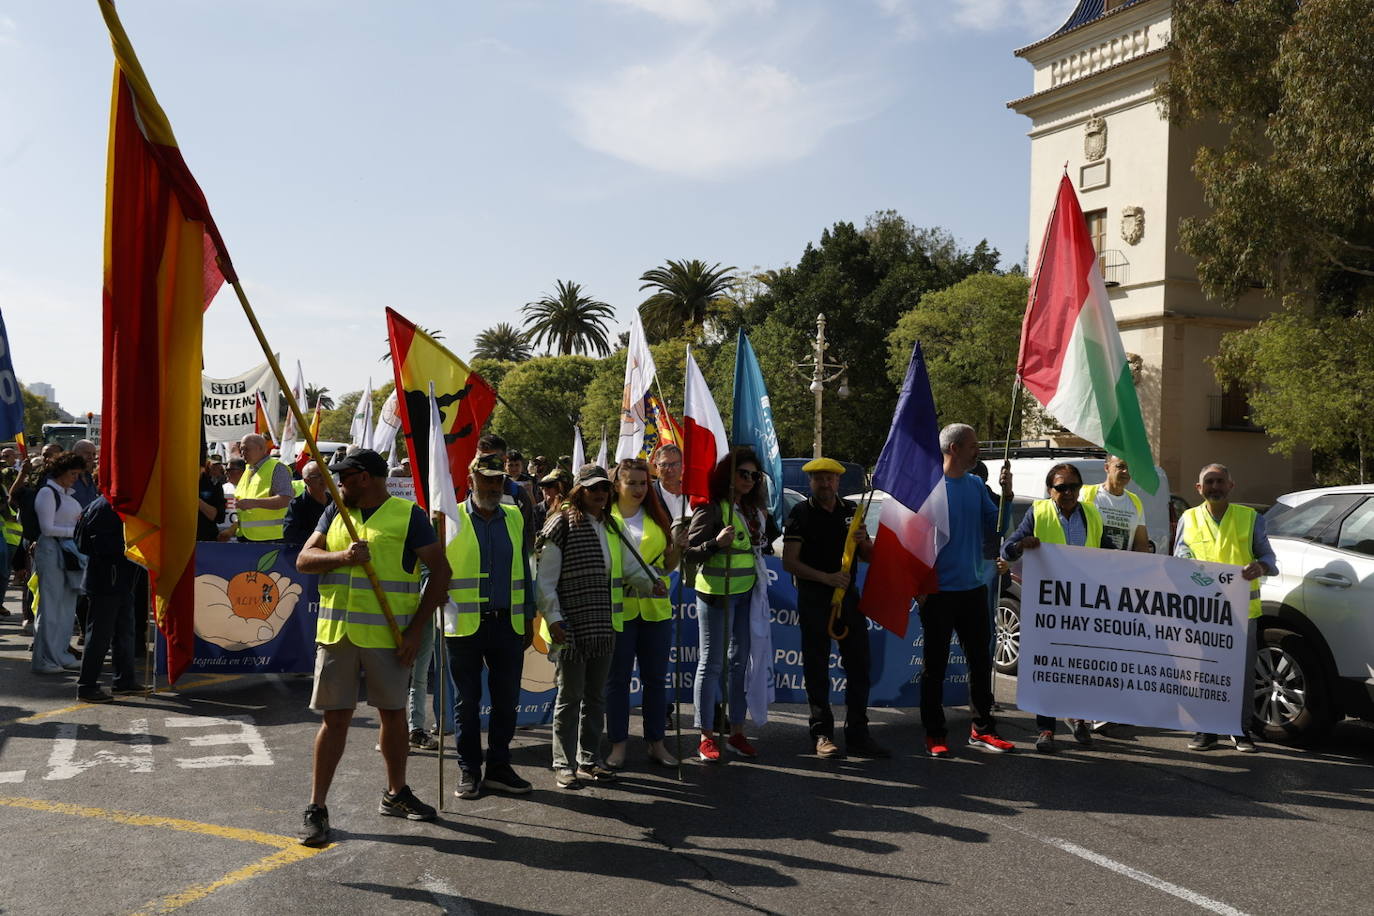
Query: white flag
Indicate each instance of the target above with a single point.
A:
(388, 425)
(579, 455)
(601, 453)
(442, 498)
(360, 433)
(289, 432)
(639, 376)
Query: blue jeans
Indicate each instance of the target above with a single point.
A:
(711, 611)
(649, 642)
(419, 679)
(502, 650)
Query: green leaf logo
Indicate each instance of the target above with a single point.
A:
(267, 561)
(1202, 578)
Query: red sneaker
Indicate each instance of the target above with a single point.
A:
(936, 747)
(988, 741)
(739, 744)
(708, 750)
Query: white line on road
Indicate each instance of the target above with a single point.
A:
(1135, 874)
(445, 896)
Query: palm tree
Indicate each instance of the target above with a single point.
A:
(686, 291)
(319, 396)
(569, 321)
(504, 341)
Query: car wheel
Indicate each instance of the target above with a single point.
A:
(1006, 630)
(1292, 702)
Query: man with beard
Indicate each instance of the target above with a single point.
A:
(353, 635)
(488, 621)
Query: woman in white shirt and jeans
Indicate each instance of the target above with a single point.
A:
(59, 566)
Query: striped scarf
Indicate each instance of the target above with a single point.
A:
(584, 587)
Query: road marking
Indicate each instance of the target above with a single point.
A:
(247, 734)
(62, 762)
(12, 776)
(445, 897)
(1126, 871)
(288, 850)
(51, 712)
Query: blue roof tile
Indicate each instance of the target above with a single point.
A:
(1087, 11)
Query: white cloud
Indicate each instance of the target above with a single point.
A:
(903, 13)
(701, 12)
(700, 115)
(987, 15)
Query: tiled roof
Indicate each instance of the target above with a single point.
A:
(1087, 11)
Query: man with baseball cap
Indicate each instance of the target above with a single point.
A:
(353, 635)
(488, 621)
(813, 551)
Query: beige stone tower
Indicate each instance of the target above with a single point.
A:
(1094, 107)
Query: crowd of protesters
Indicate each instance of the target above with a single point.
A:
(580, 562)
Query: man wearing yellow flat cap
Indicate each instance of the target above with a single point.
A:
(813, 552)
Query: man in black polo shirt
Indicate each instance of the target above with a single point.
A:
(812, 551)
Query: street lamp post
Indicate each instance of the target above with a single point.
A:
(821, 373)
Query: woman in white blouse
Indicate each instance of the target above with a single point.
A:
(59, 566)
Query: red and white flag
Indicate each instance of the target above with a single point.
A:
(703, 431)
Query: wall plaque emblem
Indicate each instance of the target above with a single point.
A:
(1132, 224)
(1095, 139)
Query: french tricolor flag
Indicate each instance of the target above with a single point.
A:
(915, 518)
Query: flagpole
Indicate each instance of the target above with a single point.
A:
(1002, 496)
(440, 650)
(315, 456)
(681, 572)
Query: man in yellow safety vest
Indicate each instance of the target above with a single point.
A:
(353, 635)
(262, 493)
(1220, 532)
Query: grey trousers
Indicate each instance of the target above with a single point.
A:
(579, 711)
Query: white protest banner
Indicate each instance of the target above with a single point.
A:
(227, 404)
(403, 487)
(1134, 637)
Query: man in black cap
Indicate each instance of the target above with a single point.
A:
(353, 634)
(812, 550)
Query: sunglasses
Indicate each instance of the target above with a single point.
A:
(747, 474)
(600, 488)
(344, 475)
(1066, 487)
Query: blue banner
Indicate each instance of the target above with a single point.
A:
(256, 614)
(11, 399)
(753, 420)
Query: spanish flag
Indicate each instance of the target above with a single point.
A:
(164, 262)
(465, 401)
(262, 425)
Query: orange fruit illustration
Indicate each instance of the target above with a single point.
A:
(253, 595)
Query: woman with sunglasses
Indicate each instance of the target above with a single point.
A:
(583, 568)
(1060, 519)
(723, 541)
(647, 624)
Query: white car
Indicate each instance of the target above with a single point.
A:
(1316, 641)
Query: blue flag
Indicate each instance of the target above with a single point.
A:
(11, 400)
(753, 420)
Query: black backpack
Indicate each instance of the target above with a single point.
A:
(28, 516)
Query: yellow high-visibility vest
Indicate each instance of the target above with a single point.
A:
(260, 524)
(1227, 541)
(348, 605)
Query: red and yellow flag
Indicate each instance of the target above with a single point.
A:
(262, 425)
(304, 457)
(164, 262)
(465, 401)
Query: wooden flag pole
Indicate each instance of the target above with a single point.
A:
(440, 651)
(317, 458)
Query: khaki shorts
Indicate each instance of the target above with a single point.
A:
(337, 668)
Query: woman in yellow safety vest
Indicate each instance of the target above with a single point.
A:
(647, 623)
(722, 542)
(1060, 519)
(583, 567)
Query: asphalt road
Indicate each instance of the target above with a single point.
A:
(188, 802)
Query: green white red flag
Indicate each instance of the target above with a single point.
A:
(1071, 356)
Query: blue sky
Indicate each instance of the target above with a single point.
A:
(453, 159)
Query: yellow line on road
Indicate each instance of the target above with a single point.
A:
(288, 851)
(51, 712)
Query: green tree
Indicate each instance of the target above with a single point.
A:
(493, 371)
(503, 341)
(969, 334)
(1310, 382)
(317, 395)
(686, 293)
(568, 321)
(37, 411)
(1288, 188)
(547, 394)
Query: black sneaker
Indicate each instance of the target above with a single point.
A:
(502, 778)
(1044, 742)
(1202, 741)
(1082, 733)
(95, 695)
(423, 740)
(594, 772)
(866, 747)
(468, 784)
(315, 830)
(1244, 743)
(131, 690)
(405, 804)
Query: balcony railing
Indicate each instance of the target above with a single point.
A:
(1230, 413)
